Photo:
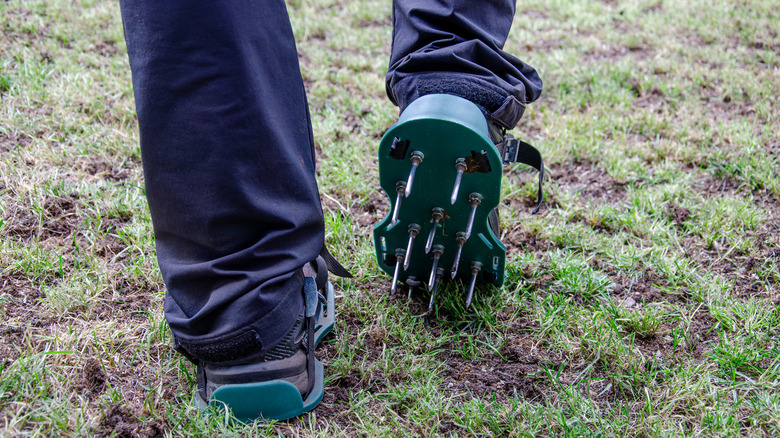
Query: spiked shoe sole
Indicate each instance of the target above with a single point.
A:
(442, 174)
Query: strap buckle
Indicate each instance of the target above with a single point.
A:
(514, 150)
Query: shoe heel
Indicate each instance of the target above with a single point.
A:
(274, 400)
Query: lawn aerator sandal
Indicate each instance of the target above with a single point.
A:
(264, 390)
(442, 174)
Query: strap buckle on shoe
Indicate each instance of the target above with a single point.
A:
(514, 150)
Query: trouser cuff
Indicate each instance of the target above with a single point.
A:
(260, 336)
(495, 103)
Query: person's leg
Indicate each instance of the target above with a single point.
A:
(456, 47)
(229, 167)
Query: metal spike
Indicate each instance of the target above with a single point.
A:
(474, 199)
(400, 187)
(460, 167)
(460, 237)
(439, 273)
(399, 260)
(414, 229)
(475, 268)
(417, 158)
(412, 282)
(437, 252)
(437, 214)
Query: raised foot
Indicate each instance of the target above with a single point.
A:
(442, 174)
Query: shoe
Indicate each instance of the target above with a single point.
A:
(441, 168)
(286, 381)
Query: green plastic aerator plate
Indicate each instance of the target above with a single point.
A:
(440, 134)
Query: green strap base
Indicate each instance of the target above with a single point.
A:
(274, 400)
(440, 131)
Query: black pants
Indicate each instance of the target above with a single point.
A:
(228, 151)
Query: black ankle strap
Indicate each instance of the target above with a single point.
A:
(312, 304)
(332, 264)
(200, 376)
(514, 150)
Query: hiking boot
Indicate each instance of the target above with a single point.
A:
(287, 380)
(441, 166)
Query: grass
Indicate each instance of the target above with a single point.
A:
(642, 301)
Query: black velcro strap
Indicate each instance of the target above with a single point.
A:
(222, 349)
(514, 150)
(310, 359)
(333, 265)
(200, 374)
(312, 306)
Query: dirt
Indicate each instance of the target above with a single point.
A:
(102, 169)
(519, 240)
(672, 343)
(57, 217)
(517, 373)
(21, 305)
(93, 378)
(524, 367)
(9, 142)
(59, 225)
(133, 378)
(117, 421)
(588, 179)
(373, 211)
(481, 379)
(746, 271)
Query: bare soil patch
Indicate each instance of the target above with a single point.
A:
(102, 169)
(373, 210)
(10, 142)
(57, 217)
(118, 421)
(590, 180)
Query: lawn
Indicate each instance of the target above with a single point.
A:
(641, 301)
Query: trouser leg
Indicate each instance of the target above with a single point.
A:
(229, 167)
(456, 47)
